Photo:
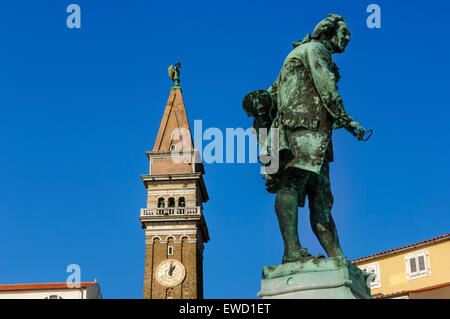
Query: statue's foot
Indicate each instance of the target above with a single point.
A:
(295, 255)
(339, 255)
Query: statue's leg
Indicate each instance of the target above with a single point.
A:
(320, 204)
(286, 208)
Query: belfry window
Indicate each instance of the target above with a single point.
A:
(181, 202)
(160, 202)
(171, 202)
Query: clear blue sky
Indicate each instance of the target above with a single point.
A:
(79, 108)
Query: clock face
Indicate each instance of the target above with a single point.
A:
(170, 273)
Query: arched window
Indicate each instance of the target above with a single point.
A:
(170, 251)
(181, 202)
(171, 202)
(160, 202)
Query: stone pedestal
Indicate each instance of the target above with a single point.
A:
(315, 278)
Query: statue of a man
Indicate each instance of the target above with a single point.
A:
(308, 107)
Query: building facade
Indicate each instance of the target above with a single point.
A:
(81, 290)
(173, 221)
(420, 270)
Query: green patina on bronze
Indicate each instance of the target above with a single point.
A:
(305, 106)
(174, 73)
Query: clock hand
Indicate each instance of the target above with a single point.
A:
(172, 268)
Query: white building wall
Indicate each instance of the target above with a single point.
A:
(42, 294)
(91, 292)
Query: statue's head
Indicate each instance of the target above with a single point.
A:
(333, 32)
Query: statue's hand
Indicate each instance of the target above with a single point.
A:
(356, 129)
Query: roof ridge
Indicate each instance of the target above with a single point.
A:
(50, 283)
(47, 285)
(401, 248)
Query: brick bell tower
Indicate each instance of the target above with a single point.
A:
(174, 225)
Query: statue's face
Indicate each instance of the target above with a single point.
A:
(341, 38)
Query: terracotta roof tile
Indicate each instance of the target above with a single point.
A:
(411, 291)
(381, 296)
(401, 248)
(43, 286)
(430, 288)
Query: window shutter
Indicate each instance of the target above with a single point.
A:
(421, 263)
(373, 271)
(412, 265)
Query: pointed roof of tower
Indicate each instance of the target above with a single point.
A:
(174, 118)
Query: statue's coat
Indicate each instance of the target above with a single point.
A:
(308, 104)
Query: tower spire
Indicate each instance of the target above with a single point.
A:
(174, 129)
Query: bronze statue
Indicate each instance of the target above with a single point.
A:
(305, 106)
(174, 73)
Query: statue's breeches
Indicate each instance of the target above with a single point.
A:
(316, 186)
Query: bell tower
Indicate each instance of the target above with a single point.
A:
(173, 221)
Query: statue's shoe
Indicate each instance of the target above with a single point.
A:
(296, 256)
